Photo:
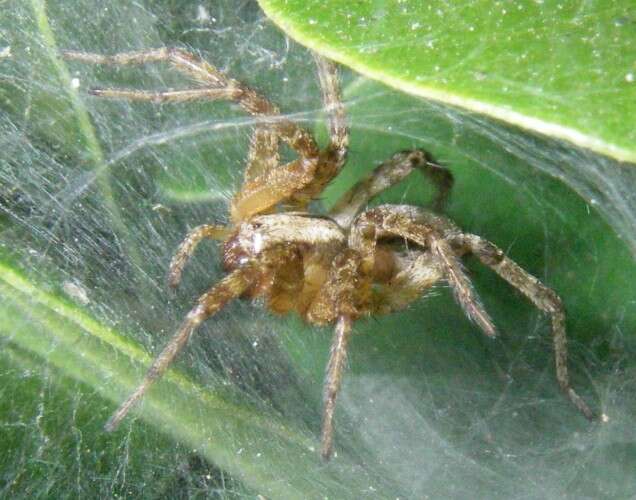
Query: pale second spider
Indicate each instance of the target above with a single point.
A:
(329, 268)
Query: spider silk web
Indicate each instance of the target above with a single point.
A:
(96, 195)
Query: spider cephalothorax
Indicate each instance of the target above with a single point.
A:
(329, 268)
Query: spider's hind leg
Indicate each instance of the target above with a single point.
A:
(230, 287)
(544, 298)
(188, 246)
(263, 154)
(181, 60)
(339, 300)
(215, 84)
(338, 130)
(333, 381)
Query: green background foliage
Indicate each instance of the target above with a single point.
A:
(566, 69)
(95, 196)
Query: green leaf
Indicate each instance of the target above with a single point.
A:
(95, 196)
(562, 69)
(38, 324)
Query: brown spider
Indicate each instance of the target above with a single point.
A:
(334, 268)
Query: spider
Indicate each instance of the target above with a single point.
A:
(332, 268)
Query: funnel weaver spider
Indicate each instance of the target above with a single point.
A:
(333, 268)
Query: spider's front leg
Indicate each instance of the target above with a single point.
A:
(544, 298)
(230, 287)
(432, 233)
(386, 175)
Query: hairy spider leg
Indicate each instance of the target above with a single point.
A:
(200, 70)
(441, 178)
(264, 186)
(462, 287)
(333, 382)
(273, 187)
(302, 180)
(263, 154)
(419, 274)
(386, 175)
(342, 294)
(429, 231)
(167, 96)
(306, 177)
(230, 287)
(189, 245)
(543, 298)
(336, 152)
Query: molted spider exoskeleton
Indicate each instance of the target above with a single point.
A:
(331, 268)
